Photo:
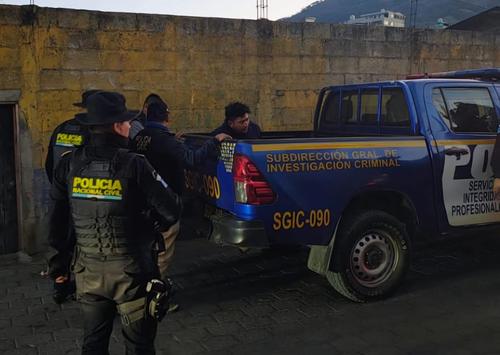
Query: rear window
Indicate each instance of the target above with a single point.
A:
(349, 107)
(394, 108)
(466, 109)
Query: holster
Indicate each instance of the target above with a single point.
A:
(132, 311)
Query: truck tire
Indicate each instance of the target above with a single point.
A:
(373, 254)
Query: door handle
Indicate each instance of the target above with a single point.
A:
(456, 151)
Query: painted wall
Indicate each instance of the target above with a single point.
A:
(198, 65)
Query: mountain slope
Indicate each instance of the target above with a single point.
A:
(428, 11)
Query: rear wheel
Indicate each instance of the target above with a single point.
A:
(373, 256)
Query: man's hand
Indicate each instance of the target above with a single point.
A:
(179, 135)
(496, 188)
(222, 136)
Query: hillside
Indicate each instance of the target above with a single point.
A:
(428, 11)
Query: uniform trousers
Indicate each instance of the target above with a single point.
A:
(165, 257)
(103, 285)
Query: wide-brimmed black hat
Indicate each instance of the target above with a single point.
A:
(105, 107)
(85, 97)
(158, 111)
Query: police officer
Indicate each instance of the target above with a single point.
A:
(169, 157)
(67, 137)
(106, 190)
(139, 120)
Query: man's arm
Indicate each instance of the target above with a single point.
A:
(162, 199)
(194, 156)
(191, 157)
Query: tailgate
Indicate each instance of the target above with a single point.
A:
(212, 181)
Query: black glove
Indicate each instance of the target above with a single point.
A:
(63, 291)
(158, 297)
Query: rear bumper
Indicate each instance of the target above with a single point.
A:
(228, 230)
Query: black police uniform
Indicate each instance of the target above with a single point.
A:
(106, 190)
(67, 137)
(252, 133)
(168, 155)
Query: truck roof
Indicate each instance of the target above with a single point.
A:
(467, 76)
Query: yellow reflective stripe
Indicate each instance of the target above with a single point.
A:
(337, 145)
(464, 141)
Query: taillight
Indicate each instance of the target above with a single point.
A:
(250, 186)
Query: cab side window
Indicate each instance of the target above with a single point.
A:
(349, 107)
(330, 112)
(466, 110)
(369, 107)
(394, 110)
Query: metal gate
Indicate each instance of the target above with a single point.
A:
(8, 191)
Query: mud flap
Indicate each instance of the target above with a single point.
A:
(320, 256)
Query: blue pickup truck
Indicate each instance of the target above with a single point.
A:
(389, 165)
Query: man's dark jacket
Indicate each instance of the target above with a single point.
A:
(252, 133)
(143, 191)
(168, 155)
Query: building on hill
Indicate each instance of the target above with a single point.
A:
(381, 18)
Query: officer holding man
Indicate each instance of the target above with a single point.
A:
(170, 156)
(107, 191)
(67, 137)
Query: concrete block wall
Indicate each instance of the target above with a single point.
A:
(200, 64)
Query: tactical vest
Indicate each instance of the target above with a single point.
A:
(70, 137)
(105, 204)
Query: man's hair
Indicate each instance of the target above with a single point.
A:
(152, 98)
(236, 109)
(157, 111)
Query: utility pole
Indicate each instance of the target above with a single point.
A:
(413, 13)
(413, 34)
(262, 9)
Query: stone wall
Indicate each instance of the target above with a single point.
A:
(200, 64)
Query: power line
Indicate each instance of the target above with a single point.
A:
(262, 9)
(413, 13)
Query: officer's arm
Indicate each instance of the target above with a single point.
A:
(49, 160)
(191, 156)
(161, 198)
(59, 221)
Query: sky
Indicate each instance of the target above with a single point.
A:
(205, 8)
